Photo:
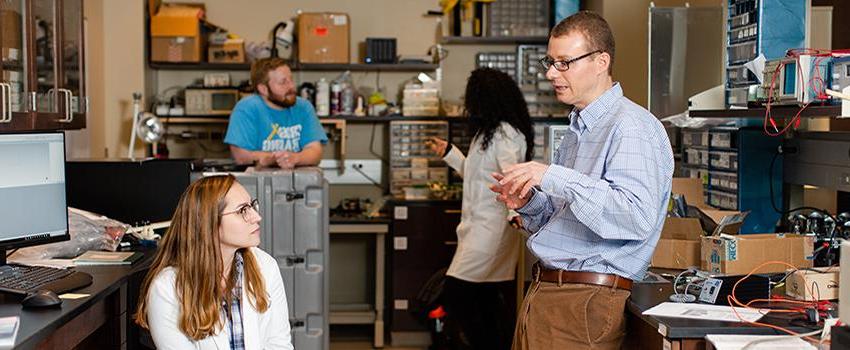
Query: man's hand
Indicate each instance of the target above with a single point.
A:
(286, 160)
(520, 178)
(511, 200)
(437, 145)
(265, 159)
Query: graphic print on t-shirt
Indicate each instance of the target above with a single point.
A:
(283, 139)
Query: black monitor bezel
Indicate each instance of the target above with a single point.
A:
(32, 241)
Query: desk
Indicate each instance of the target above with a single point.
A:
(99, 321)
(649, 332)
(379, 228)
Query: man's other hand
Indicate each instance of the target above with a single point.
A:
(511, 200)
(520, 178)
(286, 160)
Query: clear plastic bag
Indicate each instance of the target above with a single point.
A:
(88, 231)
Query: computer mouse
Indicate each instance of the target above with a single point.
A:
(41, 298)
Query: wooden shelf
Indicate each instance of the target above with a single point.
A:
(775, 112)
(482, 40)
(11, 65)
(184, 119)
(362, 67)
(200, 66)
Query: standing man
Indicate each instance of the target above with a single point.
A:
(274, 127)
(596, 213)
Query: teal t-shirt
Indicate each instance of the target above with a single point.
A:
(255, 126)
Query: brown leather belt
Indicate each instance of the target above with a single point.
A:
(599, 279)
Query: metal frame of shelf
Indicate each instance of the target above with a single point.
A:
(484, 40)
(775, 112)
(191, 119)
(360, 67)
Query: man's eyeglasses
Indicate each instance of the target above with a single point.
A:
(561, 65)
(243, 210)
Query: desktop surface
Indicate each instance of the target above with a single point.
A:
(37, 325)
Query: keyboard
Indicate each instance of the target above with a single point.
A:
(20, 279)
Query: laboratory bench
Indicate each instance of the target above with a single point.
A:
(651, 332)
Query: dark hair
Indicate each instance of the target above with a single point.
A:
(593, 27)
(493, 97)
(260, 70)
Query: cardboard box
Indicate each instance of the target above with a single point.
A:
(679, 245)
(823, 283)
(10, 35)
(177, 34)
(232, 51)
(740, 254)
(323, 38)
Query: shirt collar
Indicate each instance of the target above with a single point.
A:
(588, 117)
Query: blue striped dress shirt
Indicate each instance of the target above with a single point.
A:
(601, 204)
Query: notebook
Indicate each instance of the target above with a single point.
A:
(93, 257)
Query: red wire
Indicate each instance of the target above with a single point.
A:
(816, 83)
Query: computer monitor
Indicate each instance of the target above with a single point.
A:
(32, 190)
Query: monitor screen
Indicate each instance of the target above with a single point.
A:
(790, 79)
(32, 189)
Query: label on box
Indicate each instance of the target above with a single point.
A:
(340, 20)
(732, 250)
(320, 31)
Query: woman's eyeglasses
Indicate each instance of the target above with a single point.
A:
(243, 210)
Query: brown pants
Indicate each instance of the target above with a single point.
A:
(571, 316)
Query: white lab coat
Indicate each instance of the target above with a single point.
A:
(268, 330)
(488, 247)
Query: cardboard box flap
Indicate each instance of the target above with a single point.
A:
(692, 190)
(177, 21)
(682, 228)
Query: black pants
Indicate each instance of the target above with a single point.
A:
(484, 312)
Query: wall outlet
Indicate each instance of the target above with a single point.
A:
(357, 171)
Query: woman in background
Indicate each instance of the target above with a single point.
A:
(482, 273)
(210, 287)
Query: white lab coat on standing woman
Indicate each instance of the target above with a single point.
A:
(488, 247)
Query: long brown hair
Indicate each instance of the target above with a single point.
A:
(191, 246)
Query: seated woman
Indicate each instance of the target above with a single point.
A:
(210, 287)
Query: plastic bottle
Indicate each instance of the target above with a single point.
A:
(347, 99)
(322, 98)
(336, 91)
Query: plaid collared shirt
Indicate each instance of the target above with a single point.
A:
(602, 202)
(234, 320)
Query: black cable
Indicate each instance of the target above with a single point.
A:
(12, 252)
(372, 146)
(773, 202)
(770, 182)
(376, 183)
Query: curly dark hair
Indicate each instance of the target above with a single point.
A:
(493, 97)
